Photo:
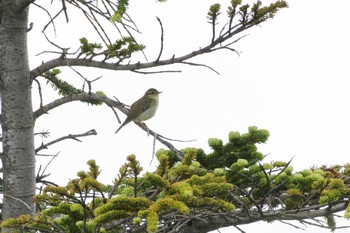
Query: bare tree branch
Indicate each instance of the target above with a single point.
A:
(64, 8)
(70, 136)
(43, 172)
(157, 72)
(161, 39)
(40, 92)
(51, 18)
(203, 65)
(78, 97)
(41, 175)
(131, 67)
(217, 221)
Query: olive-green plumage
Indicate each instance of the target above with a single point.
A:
(143, 109)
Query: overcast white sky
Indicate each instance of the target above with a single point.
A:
(292, 78)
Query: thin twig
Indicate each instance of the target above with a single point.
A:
(51, 19)
(156, 72)
(154, 148)
(239, 229)
(161, 40)
(20, 201)
(47, 165)
(64, 8)
(40, 92)
(116, 114)
(203, 65)
(175, 140)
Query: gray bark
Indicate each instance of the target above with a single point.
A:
(18, 159)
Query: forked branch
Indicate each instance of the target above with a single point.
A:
(69, 136)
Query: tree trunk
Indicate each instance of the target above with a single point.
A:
(18, 159)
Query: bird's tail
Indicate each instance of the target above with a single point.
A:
(120, 127)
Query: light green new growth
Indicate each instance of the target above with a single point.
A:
(182, 188)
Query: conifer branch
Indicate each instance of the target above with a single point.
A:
(259, 15)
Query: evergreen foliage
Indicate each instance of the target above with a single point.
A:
(121, 49)
(232, 180)
(64, 88)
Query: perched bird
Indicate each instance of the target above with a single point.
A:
(144, 108)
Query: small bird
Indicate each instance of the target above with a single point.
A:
(144, 108)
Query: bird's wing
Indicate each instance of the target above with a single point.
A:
(137, 108)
